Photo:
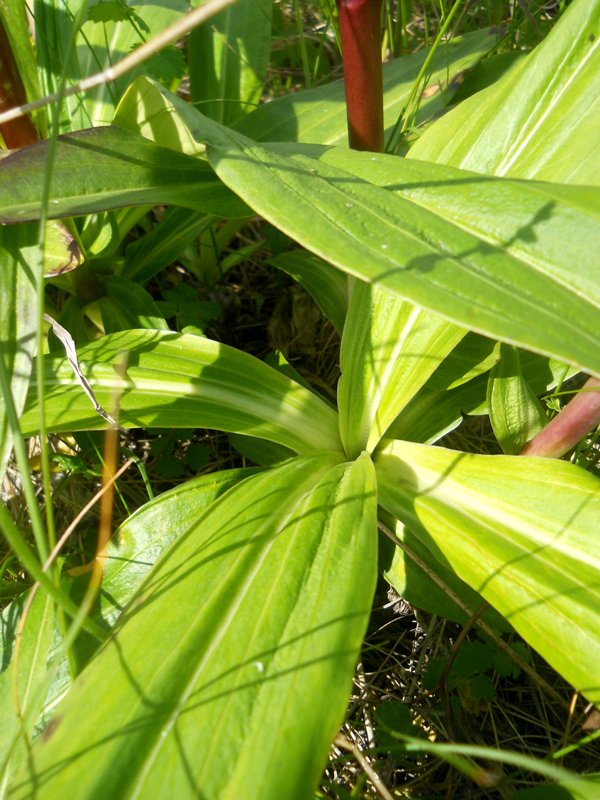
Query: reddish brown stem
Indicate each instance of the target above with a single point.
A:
(360, 28)
(18, 132)
(578, 418)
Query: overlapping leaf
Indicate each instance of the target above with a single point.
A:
(24, 681)
(506, 278)
(104, 168)
(520, 531)
(110, 31)
(389, 350)
(228, 62)
(259, 609)
(319, 115)
(163, 379)
(542, 120)
(131, 553)
(19, 260)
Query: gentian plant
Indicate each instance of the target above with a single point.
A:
(217, 657)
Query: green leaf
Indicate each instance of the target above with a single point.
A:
(328, 287)
(228, 60)
(145, 108)
(104, 168)
(499, 267)
(25, 680)
(97, 46)
(389, 350)
(259, 609)
(515, 412)
(132, 552)
(473, 356)
(164, 243)
(152, 529)
(108, 11)
(319, 115)
(539, 121)
(440, 405)
(20, 258)
(530, 221)
(170, 380)
(518, 530)
(412, 579)
(127, 305)
(260, 451)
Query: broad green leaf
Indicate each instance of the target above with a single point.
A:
(219, 701)
(164, 243)
(440, 405)
(145, 110)
(104, 168)
(102, 233)
(474, 355)
(389, 350)
(413, 582)
(20, 259)
(260, 451)
(515, 412)
(127, 305)
(131, 553)
(101, 40)
(506, 280)
(520, 531)
(319, 115)
(171, 380)
(328, 287)
(228, 60)
(24, 682)
(487, 72)
(61, 250)
(433, 413)
(150, 531)
(530, 221)
(541, 120)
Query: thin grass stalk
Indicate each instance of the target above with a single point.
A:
(403, 122)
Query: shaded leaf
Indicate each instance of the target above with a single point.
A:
(515, 412)
(389, 350)
(518, 530)
(212, 701)
(170, 380)
(319, 115)
(24, 683)
(20, 259)
(104, 168)
(535, 122)
(228, 60)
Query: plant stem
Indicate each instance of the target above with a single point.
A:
(360, 29)
(18, 132)
(580, 416)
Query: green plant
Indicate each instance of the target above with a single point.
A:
(229, 662)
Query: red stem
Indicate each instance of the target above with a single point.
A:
(578, 418)
(18, 132)
(360, 28)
